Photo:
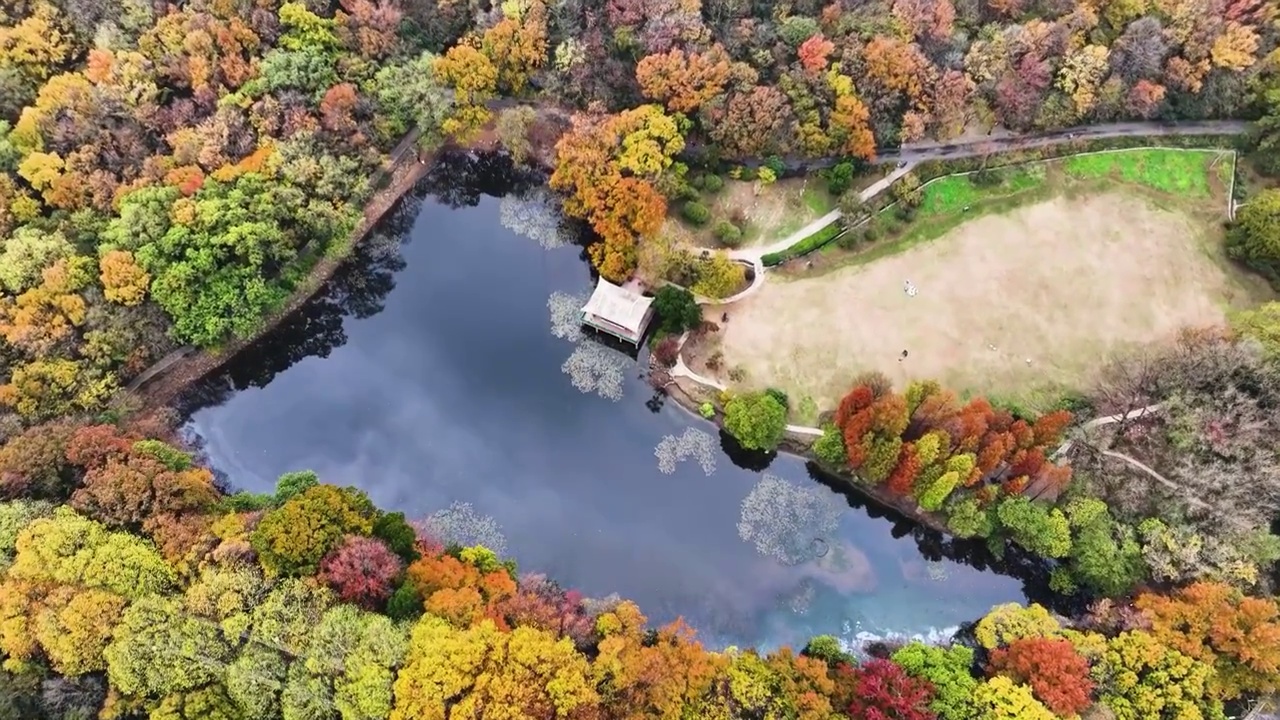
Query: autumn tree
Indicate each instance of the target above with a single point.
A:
(1239, 636)
(683, 82)
(362, 571)
(1000, 698)
(884, 690)
(462, 673)
(1056, 673)
(292, 539)
(474, 80)
(130, 492)
(607, 166)
(1140, 677)
(517, 44)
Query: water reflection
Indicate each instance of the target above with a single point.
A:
(444, 385)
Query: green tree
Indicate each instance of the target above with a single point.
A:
(1105, 556)
(677, 310)
(830, 447)
(1254, 237)
(1035, 526)
(160, 649)
(255, 678)
(949, 671)
(292, 539)
(757, 420)
(411, 96)
(358, 653)
(967, 518)
(70, 549)
(1262, 324)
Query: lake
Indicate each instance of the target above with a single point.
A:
(427, 374)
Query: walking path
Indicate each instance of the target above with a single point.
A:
(755, 255)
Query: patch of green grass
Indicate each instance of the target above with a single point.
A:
(1178, 172)
(949, 195)
(817, 199)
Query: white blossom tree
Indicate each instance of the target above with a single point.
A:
(694, 443)
(460, 524)
(594, 368)
(787, 522)
(535, 215)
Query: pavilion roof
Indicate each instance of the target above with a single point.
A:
(618, 305)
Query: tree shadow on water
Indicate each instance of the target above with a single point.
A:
(753, 460)
(1031, 570)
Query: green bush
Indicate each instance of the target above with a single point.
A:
(728, 233)
(711, 183)
(839, 178)
(778, 395)
(805, 246)
(707, 410)
(830, 448)
(695, 212)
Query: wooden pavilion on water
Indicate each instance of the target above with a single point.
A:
(619, 312)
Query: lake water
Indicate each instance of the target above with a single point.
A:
(427, 374)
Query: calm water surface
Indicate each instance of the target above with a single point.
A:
(428, 374)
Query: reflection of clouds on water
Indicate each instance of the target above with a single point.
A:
(693, 443)
(787, 522)
(595, 368)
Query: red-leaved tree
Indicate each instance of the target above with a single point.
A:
(1057, 674)
(361, 570)
(884, 691)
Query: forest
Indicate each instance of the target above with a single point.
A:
(170, 173)
(132, 586)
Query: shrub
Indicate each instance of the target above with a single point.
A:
(707, 410)
(667, 351)
(776, 165)
(712, 183)
(805, 246)
(829, 448)
(728, 233)
(695, 212)
(778, 395)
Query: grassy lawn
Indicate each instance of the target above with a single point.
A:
(1086, 256)
(1179, 172)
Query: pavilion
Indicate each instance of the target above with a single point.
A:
(618, 311)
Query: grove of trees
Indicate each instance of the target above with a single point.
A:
(132, 587)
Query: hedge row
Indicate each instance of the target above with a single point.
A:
(805, 246)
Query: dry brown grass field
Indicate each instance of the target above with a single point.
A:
(1062, 283)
